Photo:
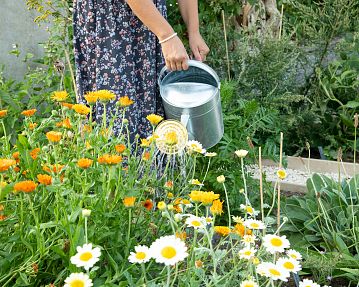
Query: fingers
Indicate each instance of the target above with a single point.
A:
(197, 54)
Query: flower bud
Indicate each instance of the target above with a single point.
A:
(86, 212)
(221, 179)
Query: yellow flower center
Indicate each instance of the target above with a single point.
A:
(196, 223)
(247, 253)
(77, 283)
(255, 225)
(249, 209)
(277, 242)
(288, 265)
(249, 285)
(140, 255)
(86, 256)
(168, 252)
(274, 272)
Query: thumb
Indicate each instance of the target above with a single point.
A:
(196, 54)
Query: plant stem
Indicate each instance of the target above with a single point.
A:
(86, 237)
(228, 209)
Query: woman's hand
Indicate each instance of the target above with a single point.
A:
(198, 46)
(175, 54)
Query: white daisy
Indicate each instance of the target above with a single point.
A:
(86, 257)
(247, 253)
(248, 283)
(209, 220)
(238, 219)
(294, 254)
(290, 264)
(254, 224)
(168, 250)
(249, 210)
(248, 239)
(195, 146)
(196, 222)
(274, 243)
(78, 279)
(308, 283)
(141, 254)
(272, 271)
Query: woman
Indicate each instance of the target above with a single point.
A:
(122, 45)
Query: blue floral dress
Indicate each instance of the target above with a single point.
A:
(116, 52)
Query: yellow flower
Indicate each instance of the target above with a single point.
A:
(84, 163)
(195, 182)
(145, 143)
(161, 205)
(105, 95)
(67, 105)
(170, 195)
(54, 136)
(205, 197)
(29, 113)
(222, 230)
(5, 164)
(25, 186)
(59, 96)
(125, 102)
(91, 98)
(3, 113)
(154, 119)
(198, 264)
(81, 109)
(44, 179)
(281, 174)
(217, 207)
(129, 201)
(32, 126)
(171, 138)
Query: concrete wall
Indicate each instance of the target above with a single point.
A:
(17, 27)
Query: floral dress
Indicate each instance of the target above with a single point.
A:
(115, 51)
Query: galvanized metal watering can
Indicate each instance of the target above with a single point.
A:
(193, 98)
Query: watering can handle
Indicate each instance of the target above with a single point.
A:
(184, 119)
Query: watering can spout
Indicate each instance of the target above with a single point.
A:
(184, 119)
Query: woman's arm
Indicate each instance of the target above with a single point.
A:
(173, 50)
(189, 12)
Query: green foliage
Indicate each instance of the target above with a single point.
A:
(326, 218)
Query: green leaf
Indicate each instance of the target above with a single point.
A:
(352, 104)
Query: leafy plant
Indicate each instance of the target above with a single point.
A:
(326, 220)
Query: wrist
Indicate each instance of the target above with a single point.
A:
(193, 33)
(165, 34)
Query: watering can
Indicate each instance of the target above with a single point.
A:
(193, 98)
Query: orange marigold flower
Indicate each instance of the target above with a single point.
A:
(56, 168)
(59, 96)
(169, 184)
(91, 98)
(120, 148)
(129, 201)
(16, 169)
(66, 123)
(54, 136)
(217, 207)
(181, 235)
(3, 113)
(241, 230)
(148, 204)
(2, 217)
(154, 119)
(67, 105)
(84, 163)
(198, 264)
(16, 155)
(34, 153)
(44, 179)
(5, 164)
(125, 101)
(177, 208)
(146, 156)
(25, 186)
(222, 230)
(29, 113)
(109, 159)
(81, 109)
(32, 126)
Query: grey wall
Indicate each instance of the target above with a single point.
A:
(17, 27)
